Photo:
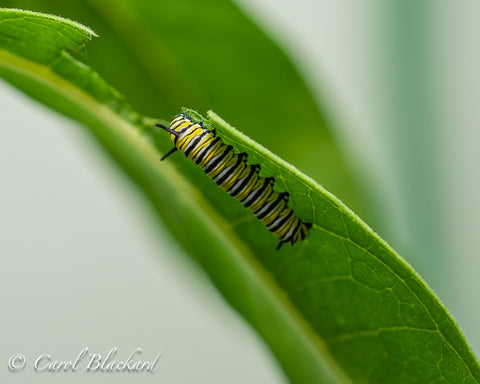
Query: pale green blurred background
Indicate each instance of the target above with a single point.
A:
(84, 262)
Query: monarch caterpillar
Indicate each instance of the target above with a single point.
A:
(231, 172)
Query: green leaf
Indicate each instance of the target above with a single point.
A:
(339, 307)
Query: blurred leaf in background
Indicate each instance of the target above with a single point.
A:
(208, 55)
(411, 131)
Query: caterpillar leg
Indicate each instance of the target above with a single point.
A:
(174, 149)
(279, 245)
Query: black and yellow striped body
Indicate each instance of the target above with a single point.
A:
(231, 172)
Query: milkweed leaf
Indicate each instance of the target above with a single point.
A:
(339, 307)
